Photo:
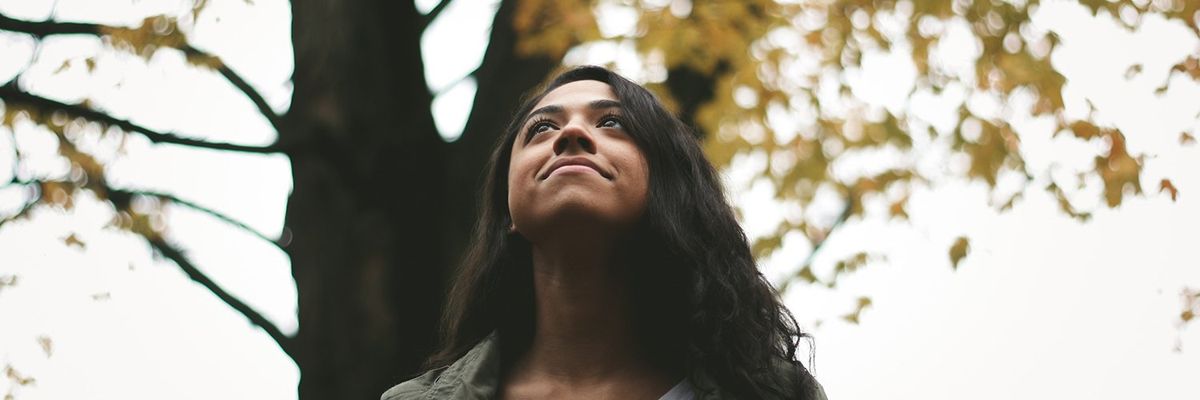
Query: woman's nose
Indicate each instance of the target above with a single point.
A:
(574, 137)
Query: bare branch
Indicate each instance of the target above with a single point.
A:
(200, 208)
(832, 228)
(259, 102)
(41, 29)
(177, 256)
(168, 251)
(437, 10)
(812, 255)
(10, 93)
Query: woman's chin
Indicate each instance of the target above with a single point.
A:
(566, 215)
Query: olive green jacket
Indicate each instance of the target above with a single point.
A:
(477, 376)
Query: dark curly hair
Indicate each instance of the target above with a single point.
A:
(702, 300)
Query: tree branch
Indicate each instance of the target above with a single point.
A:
(259, 102)
(29, 204)
(47, 28)
(812, 255)
(41, 29)
(200, 208)
(175, 255)
(10, 93)
(437, 10)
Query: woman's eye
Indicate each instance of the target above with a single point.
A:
(611, 122)
(540, 127)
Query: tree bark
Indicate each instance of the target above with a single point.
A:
(381, 206)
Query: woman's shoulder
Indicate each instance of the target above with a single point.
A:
(802, 383)
(415, 388)
(473, 376)
(789, 380)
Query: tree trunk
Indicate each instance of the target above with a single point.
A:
(381, 206)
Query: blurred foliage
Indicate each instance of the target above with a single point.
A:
(1191, 308)
(781, 73)
(16, 380)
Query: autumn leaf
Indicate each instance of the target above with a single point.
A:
(849, 265)
(1064, 204)
(46, 344)
(854, 317)
(65, 64)
(1186, 139)
(73, 240)
(1191, 306)
(807, 275)
(1119, 170)
(1086, 131)
(961, 247)
(1167, 186)
(1133, 71)
(16, 377)
(765, 246)
(1189, 66)
(7, 281)
(1012, 200)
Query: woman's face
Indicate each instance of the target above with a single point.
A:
(574, 165)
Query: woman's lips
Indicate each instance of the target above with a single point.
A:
(577, 169)
(575, 165)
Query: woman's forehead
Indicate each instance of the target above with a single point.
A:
(577, 94)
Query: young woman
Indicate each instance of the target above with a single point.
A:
(607, 264)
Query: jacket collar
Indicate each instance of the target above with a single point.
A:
(476, 375)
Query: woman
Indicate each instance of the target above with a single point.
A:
(607, 264)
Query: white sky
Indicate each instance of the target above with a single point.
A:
(1043, 307)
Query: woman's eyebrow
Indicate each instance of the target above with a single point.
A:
(557, 109)
(604, 103)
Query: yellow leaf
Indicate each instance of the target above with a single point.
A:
(854, 317)
(765, 246)
(1085, 130)
(1008, 205)
(72, 240)
(1133, 71)
(205, 61)
(16, 378)
(1065, 205)
(1167, 186)
(959, 250)
(1190, 66)
(46, 344)
(8, 281)
(1118, 170)
(807, 275)
(897, 209)
(66, 64)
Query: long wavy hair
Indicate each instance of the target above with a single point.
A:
(700, 297)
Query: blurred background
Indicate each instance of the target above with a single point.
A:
(261, 199)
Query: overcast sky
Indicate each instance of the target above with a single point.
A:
(1043, 307)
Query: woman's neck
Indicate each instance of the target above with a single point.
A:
(585, 332)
